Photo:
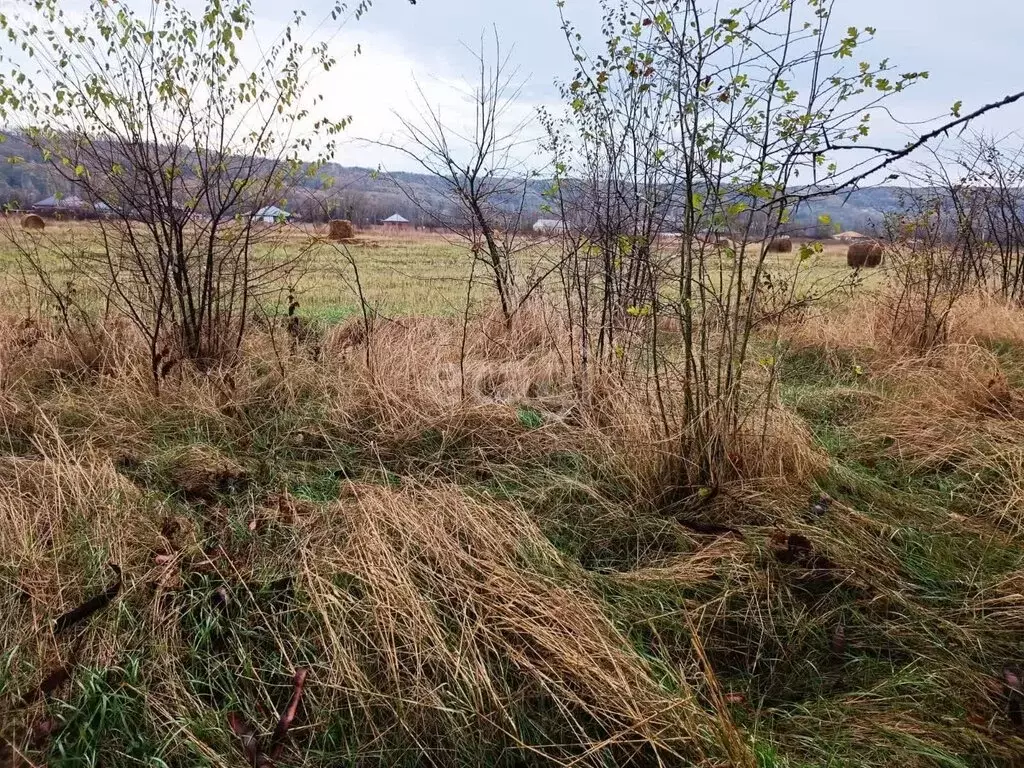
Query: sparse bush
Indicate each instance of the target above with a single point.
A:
(930, 273)
(179, 173)
(656, 140)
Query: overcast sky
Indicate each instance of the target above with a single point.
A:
(971, 48)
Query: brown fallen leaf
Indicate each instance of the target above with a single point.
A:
(1014, 691)
(163, 559)
(839, 639)
(994, 686)
(978, 721)
(281, 731)
(290, 510)
(250, 744)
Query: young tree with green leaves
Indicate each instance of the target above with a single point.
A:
(711, 124)
(176, 127)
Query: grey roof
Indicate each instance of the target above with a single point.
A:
(549, 224)
(396, 219)
(272, 211)
(72, 201)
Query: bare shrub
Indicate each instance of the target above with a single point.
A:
(641, 153)
(929, 274)
(487, 185)
(983, 318)
(178, 174)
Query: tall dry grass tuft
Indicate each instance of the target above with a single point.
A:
(988, 319)
(508, 392)
(867, 324)
(776, 450)
(853, 326)
(946, 407)
(455, 617)
(36, 353)
(423, 379)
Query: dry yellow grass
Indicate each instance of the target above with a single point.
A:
(422, 608)
(476, 566)
(402, 273)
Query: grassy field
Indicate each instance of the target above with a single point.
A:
(402, 273)
(471, 570)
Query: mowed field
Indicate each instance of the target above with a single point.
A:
(400, 272)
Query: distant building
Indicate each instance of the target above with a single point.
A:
(549, 226)
(272, 215)
(54, 205)
(397, 220)
(104, 211)
(850, 236)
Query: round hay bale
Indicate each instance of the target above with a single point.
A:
(866, 253)
(33, 222)
(781, 245)
(341, 229)
(726, 243)
(874, 255)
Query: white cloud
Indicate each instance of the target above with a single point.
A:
(384, 81)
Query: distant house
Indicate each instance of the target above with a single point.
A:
(272, 215)
(104, 211)
(397, 220)
(54, 205)
(850, 236)
(548, 226)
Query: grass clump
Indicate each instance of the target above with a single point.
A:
(474, 568)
